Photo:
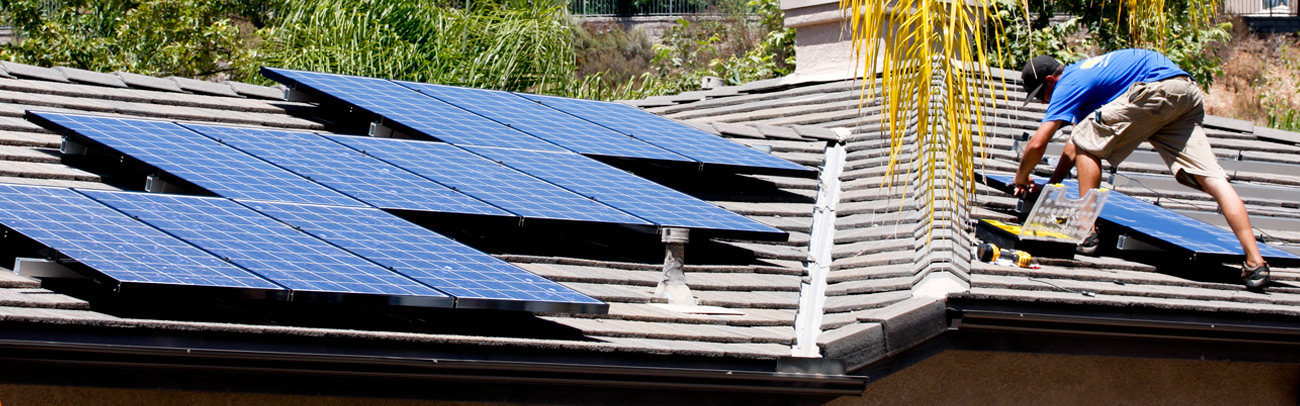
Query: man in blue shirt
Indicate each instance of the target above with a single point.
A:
(1115, 102)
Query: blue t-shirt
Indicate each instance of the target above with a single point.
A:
(1087, 85)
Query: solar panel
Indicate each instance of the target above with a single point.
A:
(409, 108)
(197, 159)
(665, 133)
(1163, 225)
(114, 244)
(555, 126)
(622, 190)
(489, 181)
(347, 171)
(476, 279)
(312, 268)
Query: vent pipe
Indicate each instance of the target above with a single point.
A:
(672, 283)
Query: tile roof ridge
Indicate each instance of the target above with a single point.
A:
(128, 80)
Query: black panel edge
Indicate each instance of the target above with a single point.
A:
(531, 305)
(374, 299)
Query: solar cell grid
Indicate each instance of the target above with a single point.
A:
(114, 244)
(665, 133)
(425, 256)
(346, 170)
(412, 109)
(555, 126)
(199, 160)
(489, 181)
(258, 243)
(1166, 225)
(624, 191)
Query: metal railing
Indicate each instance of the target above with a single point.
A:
(657, 7)
(1262, 8)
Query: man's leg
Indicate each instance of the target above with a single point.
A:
(1235, 212)
(1087, 166)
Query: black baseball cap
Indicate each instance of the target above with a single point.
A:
(1035, 75)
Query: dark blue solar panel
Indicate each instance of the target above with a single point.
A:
(549, 124)
(665, 133)
(258, 243)
(1166, 225)
(425, 256)
(622, 190)
(489, 181)
(199, 160)
(114, 244)
(419, 112)
(347, 171)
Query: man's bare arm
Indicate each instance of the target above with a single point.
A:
(1033, 153)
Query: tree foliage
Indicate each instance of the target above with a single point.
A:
(194, 38)
(1181, 29)
(500, 44)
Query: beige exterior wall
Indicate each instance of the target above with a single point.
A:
(978, 378)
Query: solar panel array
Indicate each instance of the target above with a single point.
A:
(664, 133)
(284, 250)
(474, 278)
(407, 107)
(343, 169)
(546, 123)
(562, 129)
(197, 159)
(268, 247)
(623, 190)
(489, 181)
(113, 243)
(1163, 225)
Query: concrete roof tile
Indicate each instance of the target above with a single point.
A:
(33, 72)
(149, 82)
(737, 130)
(91, 77)
(262, 92)
(40, 298)
(204, 87)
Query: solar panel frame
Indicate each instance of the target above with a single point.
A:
(507, 188)
(666, 133)
(313, 269)
(409, 108)
(347, 171)
(558, 127)
(624, 191)
(475, 279)
(119, 248)
(194, 158)
(1165, 228)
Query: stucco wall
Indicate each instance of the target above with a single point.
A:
(977, 378)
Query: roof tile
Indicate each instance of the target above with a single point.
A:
(261, 92)
(204, 87)
(149, 82)
(90, 77)
(33, 72)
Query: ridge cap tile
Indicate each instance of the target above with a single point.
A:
(139, 81)
(83, 76)
(33, 72)
(257, 91)
(204, 87)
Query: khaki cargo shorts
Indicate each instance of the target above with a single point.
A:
(1167, 113)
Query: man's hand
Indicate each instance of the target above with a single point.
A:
(1026, 189)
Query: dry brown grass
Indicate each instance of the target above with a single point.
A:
(1261, 76)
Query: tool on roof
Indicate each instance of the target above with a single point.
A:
(1054, 226)
(1005, 256)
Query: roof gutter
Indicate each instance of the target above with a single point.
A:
(983, 324)
(191, 366)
